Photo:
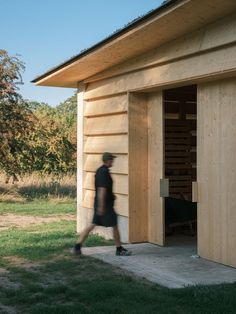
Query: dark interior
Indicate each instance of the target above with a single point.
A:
(180, 125)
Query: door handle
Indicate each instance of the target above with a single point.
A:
(164, 187)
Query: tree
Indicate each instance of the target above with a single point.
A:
(16, 119)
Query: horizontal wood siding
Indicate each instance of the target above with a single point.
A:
(106, 129)
(110, 105)
(92, 162)
(115, 124)
(117, 144)
(121, 203)
(120, 184)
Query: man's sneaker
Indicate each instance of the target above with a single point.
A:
(121, 251)
(77, 249)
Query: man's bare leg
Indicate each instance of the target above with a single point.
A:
(116, 235)
(85, 233)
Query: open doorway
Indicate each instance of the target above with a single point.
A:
(180, 126)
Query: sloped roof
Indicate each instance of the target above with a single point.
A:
(169, 21)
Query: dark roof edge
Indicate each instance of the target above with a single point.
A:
(116, 34)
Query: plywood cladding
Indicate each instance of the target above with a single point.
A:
(106, 129)
(216, 171)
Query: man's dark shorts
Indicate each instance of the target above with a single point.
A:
(109, 219)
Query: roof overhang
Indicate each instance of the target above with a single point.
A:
(170, 21)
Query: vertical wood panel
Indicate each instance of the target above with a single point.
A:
(155, 169)
(138, 145)
(216, 171)
(81, 214)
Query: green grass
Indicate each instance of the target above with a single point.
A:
(39, 207)
(58, 282)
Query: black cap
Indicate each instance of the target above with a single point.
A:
(107, 156)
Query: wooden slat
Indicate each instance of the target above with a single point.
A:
(121, 203)
(177, 128)
(180, 183)
(176, 135)
(115, 124)
(116, 144)
(176, 147)
(120, 165)
(180, 166)
(138, 168)
(179, 177)
(176, 141)
(174, 116)
(120, 182)
(105, 106)
(180, 160)
(176, 154)
(180, 189)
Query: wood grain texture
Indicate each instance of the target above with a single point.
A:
(215, 35)
(155, 169)
(116, 144)
(115, 124)
(216, 135)
(190, 70)
(81, 216)
(110, 105)
(121, 204)
(120, 165)
(138, 174)
(120, 182)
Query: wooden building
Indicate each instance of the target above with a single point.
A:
(161, 95)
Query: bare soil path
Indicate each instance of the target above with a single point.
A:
(22, 221)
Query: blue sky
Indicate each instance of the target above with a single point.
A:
(47, 32)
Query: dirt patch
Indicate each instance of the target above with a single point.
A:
(12, 220)
(21, 262)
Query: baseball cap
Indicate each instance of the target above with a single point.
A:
(107, 156)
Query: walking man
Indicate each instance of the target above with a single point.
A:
(104, 213)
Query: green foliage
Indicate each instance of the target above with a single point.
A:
(33, 136)
(16, 119)
(54, 139)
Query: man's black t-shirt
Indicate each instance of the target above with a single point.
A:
(103, 179)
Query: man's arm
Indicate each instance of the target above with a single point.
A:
(101, 200)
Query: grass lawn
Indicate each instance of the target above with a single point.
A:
(38, 274)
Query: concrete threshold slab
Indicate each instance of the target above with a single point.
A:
(172, 266)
